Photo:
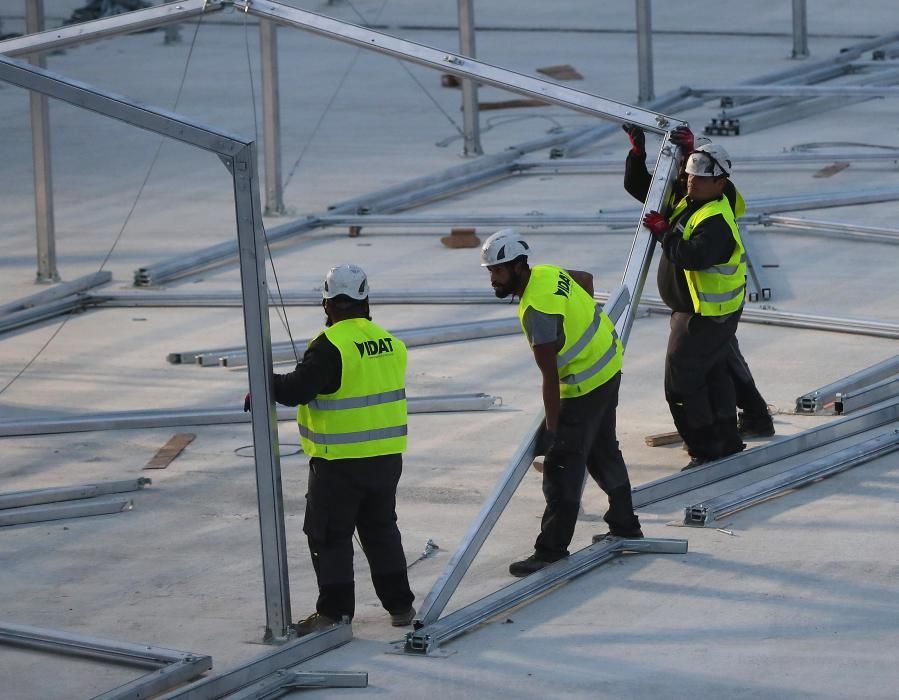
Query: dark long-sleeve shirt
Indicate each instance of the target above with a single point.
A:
(319, 372)
(710, 243)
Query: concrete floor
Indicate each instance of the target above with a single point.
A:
(799, 602)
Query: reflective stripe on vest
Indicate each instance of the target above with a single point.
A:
(591, 354)
(350, 438)
(366, 416)
(358, 401)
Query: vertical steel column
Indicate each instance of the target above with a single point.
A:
(644, 51)
(800, 29)
(40, 155)
(470, 115)
(271, 118)
(264, 417)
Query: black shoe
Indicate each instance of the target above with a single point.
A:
(403, 619)
(619, 534)
(696, 462)
(533, 563)
(755, 426)
(316, 622)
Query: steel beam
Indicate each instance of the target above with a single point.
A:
(646, 91)
(820, 399)
(174, 667)
(26, 317)
(427, 639)
(290, 654)
(796, 91)
(271, 118)
(57, 291)
(125, 23)
(800, 29)
(462, 66)
(681, 482)
(859, 398)
(282, 682)
(707, 512)
(167, 418)
(872, 234)
(62, 511)
(40, 156)
(471, 129)
(20, 499)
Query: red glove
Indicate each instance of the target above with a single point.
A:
(657, 223)
(637, 137)
(683, 137)
(246, 403)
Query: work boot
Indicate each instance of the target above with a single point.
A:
(403, 619)
(619, 534)
(755, 426)
(695, 462)
(533, 563)
(316, 622)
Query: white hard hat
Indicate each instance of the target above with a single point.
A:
(709, 160)
(346, 279)
(502, 247)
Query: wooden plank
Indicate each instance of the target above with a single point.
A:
(662, 439)
(562, 72)
(170, 450)
(832, 169)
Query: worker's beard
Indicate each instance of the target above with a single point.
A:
(510, 288)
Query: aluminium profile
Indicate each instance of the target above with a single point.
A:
(288, 655)
(173, 667)
(26, 317)
(873, 234)
(797, 91)
(281, 682)
(707, 512)
(20, 499)
(165, 418)
(426, 639)
(820, 399)
(713, 472)
(64, 510)
(859, 398)
(57, 292)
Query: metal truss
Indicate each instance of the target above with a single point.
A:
(682, 482)
(427, 639)
(713, 509)
(166, 418)
(171, 667)
(820, 400)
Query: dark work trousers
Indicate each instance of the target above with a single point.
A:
(699, 387)
(587, 423)
(748, 397)
(346, 495)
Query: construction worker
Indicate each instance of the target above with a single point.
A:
(702, 278)
(579, 356)
(350, 389)
(753, 419)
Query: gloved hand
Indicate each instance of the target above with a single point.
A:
(683, 137)
(545, 438)
(656, 223)
(246, 403)
(561, 453)
(637, 137)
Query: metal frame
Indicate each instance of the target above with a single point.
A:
(646, 92)
(19, 499)
(681, 482)
(471, 128)
(271, 119)
(754, 271)
(818, 400)
(873, 234)
(239, 156)
(64, 510)
(260, 667)
(707, 512)
(281, 682)
(427, 639)
(58, 291)
(166, 418)
(800, 29)
(866, 396)
(173, 667)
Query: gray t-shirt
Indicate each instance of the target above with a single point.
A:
(542, 328)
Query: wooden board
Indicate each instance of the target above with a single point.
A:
(170, 450)
(662, 439)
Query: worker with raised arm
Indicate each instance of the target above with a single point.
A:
(753, 419)
(579, 357)
(702, 279)
(350, 389)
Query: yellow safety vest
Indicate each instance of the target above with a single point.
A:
(718, 290)
(592, 352)
(366, 416)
